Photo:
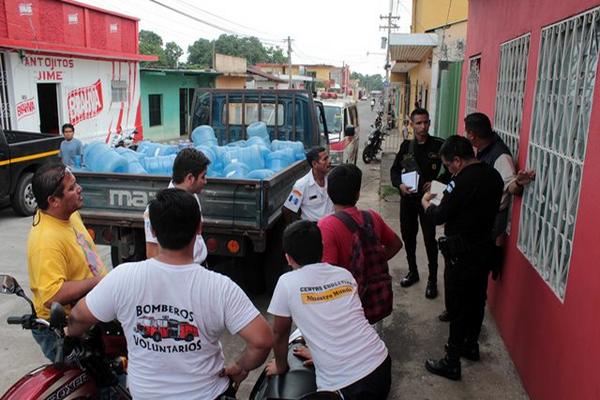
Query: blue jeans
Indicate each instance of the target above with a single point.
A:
(46, 338)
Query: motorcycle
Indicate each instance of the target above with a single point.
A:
(83, 368)
(373, 146)
(299, 382)
(391, 121)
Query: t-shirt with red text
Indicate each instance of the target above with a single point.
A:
(337, 238)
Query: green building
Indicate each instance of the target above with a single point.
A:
(167, 96)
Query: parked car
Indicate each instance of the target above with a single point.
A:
(21, 154)
(338, 115)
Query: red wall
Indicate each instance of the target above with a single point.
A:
(49, 23)
(555, 345)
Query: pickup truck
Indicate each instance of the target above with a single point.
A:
(242, 221)
(21, 154)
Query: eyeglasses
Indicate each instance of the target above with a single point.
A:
(58, 184)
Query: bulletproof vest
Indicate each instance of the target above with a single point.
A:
(490, 154)
(409, 160)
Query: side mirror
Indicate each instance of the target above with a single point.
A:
(58, 318)
(9, 285)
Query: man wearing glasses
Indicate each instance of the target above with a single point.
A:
(62, 259)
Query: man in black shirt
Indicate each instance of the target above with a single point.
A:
(468, 210)
(420, 155)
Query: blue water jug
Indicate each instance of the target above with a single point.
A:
(204, 135)
(251, 156)
(237, 143)
(161, 165)
(259, 141)
(280, 159)
(259, 129)
(216, 165)
(99, 157)
(259, 174)
(151, 149)
(236, 170)
(297, 147)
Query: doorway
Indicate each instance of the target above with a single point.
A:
(186, 97)
(48, 108)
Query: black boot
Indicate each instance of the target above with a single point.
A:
(444, 367)
(410, 279)
(444, 317)
(431, 292)
(470, 351)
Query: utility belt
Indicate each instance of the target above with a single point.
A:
(456, 248)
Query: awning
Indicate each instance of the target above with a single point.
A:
(410, 48)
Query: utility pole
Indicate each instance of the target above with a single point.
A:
(289, 40)
(386, 88)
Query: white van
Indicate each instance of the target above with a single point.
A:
(339, 114)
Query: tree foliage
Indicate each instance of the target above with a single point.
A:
(200, 53)
(369, 82)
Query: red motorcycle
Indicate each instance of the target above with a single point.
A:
(86, 368)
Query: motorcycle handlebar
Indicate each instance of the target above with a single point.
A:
(16, 320)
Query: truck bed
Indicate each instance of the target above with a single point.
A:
(242, 205)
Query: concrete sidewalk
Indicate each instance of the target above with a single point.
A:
(413, 332)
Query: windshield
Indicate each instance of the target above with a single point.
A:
(333, 116)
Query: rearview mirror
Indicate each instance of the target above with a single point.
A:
(58, 318)
(8, 284)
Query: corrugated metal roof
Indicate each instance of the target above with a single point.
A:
(411, 47)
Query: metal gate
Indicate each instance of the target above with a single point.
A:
(4, 104)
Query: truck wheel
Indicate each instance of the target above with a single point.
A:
(367, 154)
(156, 337)
(118, 256)
(23, 201)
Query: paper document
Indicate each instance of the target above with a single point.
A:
(411, 179)
(437, 188)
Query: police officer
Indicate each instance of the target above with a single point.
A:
(420, 155)
(309, 199)
(468, 210)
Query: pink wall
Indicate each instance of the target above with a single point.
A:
(555, 346)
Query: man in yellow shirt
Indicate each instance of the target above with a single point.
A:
(62, 259)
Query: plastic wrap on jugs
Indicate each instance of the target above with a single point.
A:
(99, 157)
(260, 174)
(280, 159)
(251, 156)
(204, 135)
(151, 149)
(297, 147)
(258, 129)
(236, 170)
(161, 165)
(216, 165)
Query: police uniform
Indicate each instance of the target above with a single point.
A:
(468, 210)
(310, 198)
(423, 158)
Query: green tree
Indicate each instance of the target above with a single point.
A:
(369, 82)
(151, 43)
(172, 53)
(200, 53)
(276, 56)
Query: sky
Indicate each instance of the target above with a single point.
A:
(322, 31)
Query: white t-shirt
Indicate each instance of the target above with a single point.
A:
(173, 317)
(310, 198)
(322, 301)
(506, 168)
(200, 251)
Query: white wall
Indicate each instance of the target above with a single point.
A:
(85, 97)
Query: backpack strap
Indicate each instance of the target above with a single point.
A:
(347, 220)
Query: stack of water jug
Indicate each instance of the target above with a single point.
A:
(255, 158)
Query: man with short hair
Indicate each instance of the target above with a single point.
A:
(468, 209)
(189, 174)
(344, 183)
(71, 149)
(420, 156)
(62, 259)
(323, 302)
(173, 313)
(308, 199)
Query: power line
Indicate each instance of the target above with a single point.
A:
(230, 31)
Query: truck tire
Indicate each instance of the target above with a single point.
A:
(22, 200)
(117, 256)
(156, 337)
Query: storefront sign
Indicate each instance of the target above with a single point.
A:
(85, 103)
(52, 67)
(25, 108)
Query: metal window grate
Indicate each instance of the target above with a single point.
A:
(4, 103)
(561, 118)
(473, 84)
(510, 91)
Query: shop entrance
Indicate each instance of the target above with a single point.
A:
(48, 107)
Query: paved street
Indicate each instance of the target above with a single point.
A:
(412, 333)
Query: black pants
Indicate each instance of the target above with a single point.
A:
(465, 285)
(411, 212)
(374, 386)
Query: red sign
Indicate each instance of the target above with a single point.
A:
(25, 108)
(85, 103)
